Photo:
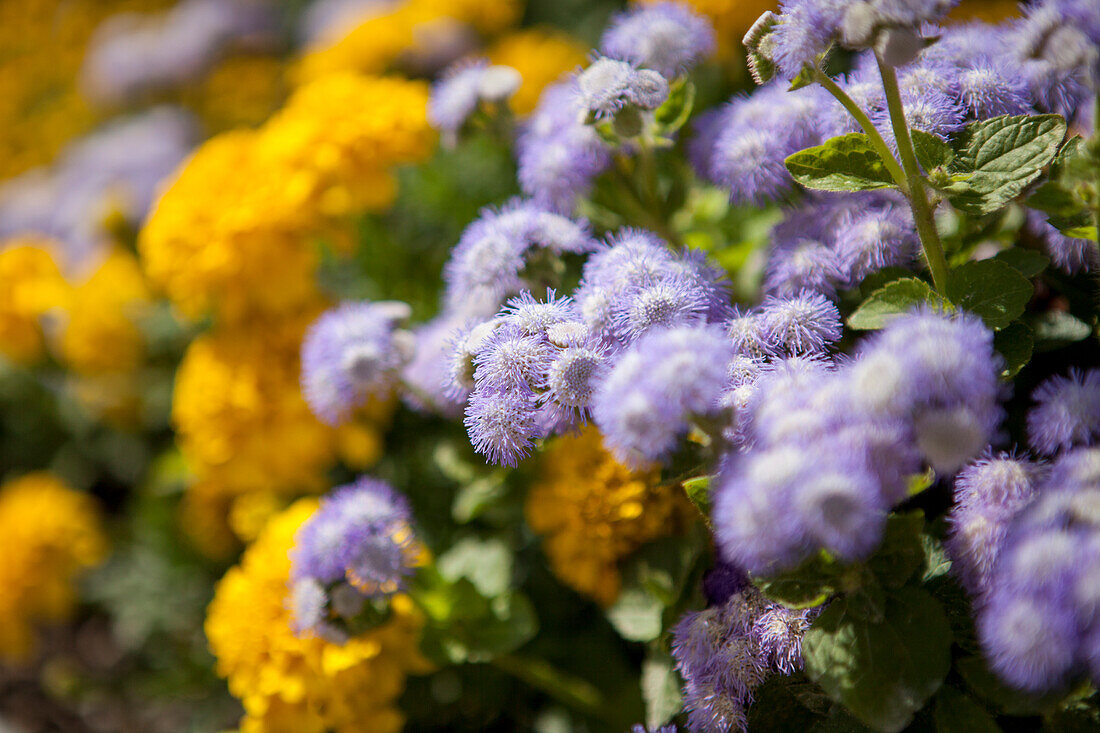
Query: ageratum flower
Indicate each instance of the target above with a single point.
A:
(664, 379)
(806, 29)
(879, 233)
(988, 494)
(804, 324)
(1067, 412)
(667, 37)
(463, 87)
(350, 354)
(608, 85)
(1071, 254)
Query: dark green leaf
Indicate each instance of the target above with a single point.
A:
(959, 713)
(1004, 154)
(891, 300)
(900, 554)
(1028, 262)
(932, 151)
(1015, 343)
(1055, 329)
(1075, 228)
(807, 585)
(882, 672)
(845, 163)
(989, 688)
(1055, 199)
(991, 289)
(660, 687)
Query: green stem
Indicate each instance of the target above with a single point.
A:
(869, 128)
(566, 689)
(1094, 146)
(918, 194)
(648, 164)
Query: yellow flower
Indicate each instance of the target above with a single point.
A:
(30, 286)
(541, 56)
(412, 28)
(241, 91)
(304, 685)
(731, 18)
(229, 235)
(593, 512)
(337, 138)
(240, 417)
(101, 332)
(48, 534)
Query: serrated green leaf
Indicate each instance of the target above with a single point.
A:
(1055, 329)
(845, 163)
(879, 278)
(810, 584)
(992, 289)
(900, 554)
(660, 687)
(1004, 154)
(1027, 262)
(1016, 344)
(959, 713)
(882, 672)
(892, 300)
(932, 151)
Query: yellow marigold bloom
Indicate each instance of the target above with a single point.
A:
(48, 534)
(731, 18)
(241, 91)
(541, 56)
(101, 332)
(229, 234)
(30, 286)
(304, 685)
(593, 512)
(337, 138)
(413, 27)
(241, 419)
(204, 519)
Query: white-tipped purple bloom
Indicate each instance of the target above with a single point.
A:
(878, 234)
(502, 424)
(664, 379)
(609, 85)
(989, 88)
(804, 324)
(463, 87)
(1067, 412)
(806, 29)
(352, 353)
(668, 37)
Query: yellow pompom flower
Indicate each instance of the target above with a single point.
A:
(228, 234)
(307, 684)
(30, 286)
(541, 56)
(49, 533)
(731, 18)
(337, 138)
(240, 417)
(240, 91)
(101, 332)
(593, 512)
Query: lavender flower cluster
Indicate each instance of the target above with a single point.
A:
(358, 546)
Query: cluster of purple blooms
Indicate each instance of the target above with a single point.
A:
(352, 353)
(827, 447)
(357, 547)
(1025, 541)
(729, 649)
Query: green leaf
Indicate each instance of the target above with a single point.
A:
(1055, 199)
(991, 289)
(636, 614)
(1055, 329)
(1075, 228)
(485, 563)
(804, 78)
(1027, 262)
(810, 584)
(882, 672)
(845, 163)
(959, 713)
(989, 687)
(1004, 154)
(901, 553)
(936, 561)
(698, 492)
(676, 110)
(919, 482)
(660, 688)
(932, 151)
(1015, 343)
(894, 299)
(879, 278)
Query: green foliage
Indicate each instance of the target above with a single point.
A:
(991, 289)
(1015, 343)
(894, 299)
(1001, 156)
(932, 152)
(808, 585)
(654, 580)
(959, 713)
(844, 163)
(660, 687)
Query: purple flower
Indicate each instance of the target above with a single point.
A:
(427, 375)
(667, 37)
(360, 534)
(989, 88)
(1029, 641)
(1068, 253)
(803, 324)
(656, 386)
(931, 111)
(502, 424)
(608, 85)
(571, 380)
(778, 632)
(351, 353)
(806, 29)
(878, 234)
(464, 86)
(509, 359)
(749, 334)
(1067, 412)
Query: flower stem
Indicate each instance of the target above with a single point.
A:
(918, 194)
(572, 691)
(868, 128)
